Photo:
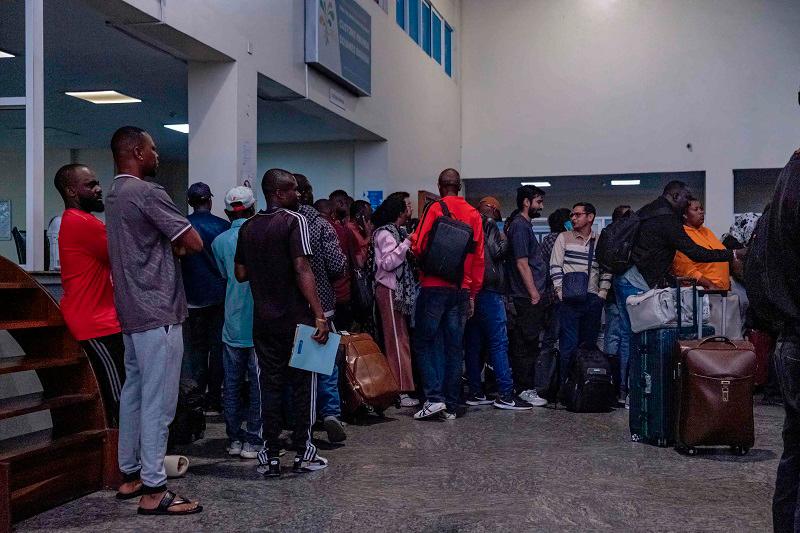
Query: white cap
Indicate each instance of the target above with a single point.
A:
(239, 198)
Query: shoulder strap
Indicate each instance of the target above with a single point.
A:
(591, 256)
(445, 209)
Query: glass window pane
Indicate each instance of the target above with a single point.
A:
(12, 48)
(448, 49)
(426, 27)
(413, 20)
(400, 13)
(436, 38)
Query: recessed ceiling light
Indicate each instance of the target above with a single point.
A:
(183, 128)
(104, 97)
(626, 182)
(6, 55)
(536, 183)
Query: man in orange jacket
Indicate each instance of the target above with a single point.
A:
(444, 307)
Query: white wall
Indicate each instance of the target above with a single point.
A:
(414, 104)
(574, 87)
(329, 166)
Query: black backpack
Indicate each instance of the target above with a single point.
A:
(756, 282)
(590, 387)
(617, 240)
(447, 245)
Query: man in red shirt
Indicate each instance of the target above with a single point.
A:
(443, 307)
(88, 302)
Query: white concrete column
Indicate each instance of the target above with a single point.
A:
(34, 134)
(371, 169)
(719, 198)
(222, 127)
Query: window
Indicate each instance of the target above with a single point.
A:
(436, 38)
(413, 20)
(448, 50)
(426, 27)
(400, 13)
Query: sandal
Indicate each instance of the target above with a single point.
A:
(169, 500)
(130, 495)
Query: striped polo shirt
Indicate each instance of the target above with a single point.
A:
(571, 254)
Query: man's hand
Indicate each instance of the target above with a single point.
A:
(471, 310)
(321, 335)
(535, 298)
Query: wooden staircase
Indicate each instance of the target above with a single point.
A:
(78, 455)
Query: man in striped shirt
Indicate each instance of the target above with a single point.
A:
(573, 259)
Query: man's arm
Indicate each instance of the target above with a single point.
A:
(308, 287)
(683, 243)
(496, 243)
(519, 247)
(240, 271)
(187, 243)
(557, 264)
(335, 260)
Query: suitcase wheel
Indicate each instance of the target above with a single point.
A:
(739, 450)
(691, 450)
(635, 437)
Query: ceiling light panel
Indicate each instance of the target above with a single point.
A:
(626, 182)
(104, 97)
(537, 183)
(6, 55)
(183, 128)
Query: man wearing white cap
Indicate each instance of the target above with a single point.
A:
(238, 355)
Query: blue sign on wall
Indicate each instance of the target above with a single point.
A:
(339, 42)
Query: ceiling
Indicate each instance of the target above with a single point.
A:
(82, 52)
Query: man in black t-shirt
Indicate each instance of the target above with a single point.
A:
(273, 254)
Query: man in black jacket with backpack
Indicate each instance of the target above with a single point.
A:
(660, 235)
(780, 280)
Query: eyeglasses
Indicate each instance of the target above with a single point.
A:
(576, 214)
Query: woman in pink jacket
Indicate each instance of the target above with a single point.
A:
(395, 287)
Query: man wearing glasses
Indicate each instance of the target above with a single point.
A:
(579, 283)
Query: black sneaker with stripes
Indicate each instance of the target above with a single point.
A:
(512, 403)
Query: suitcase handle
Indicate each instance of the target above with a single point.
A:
(717, 338)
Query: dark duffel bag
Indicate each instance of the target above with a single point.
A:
(189, 423)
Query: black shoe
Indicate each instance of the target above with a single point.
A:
(512, 403)
(272, 469)
(476, 399)
(335, 429)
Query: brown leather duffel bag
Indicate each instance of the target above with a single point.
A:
(714, 394)
(368, 380)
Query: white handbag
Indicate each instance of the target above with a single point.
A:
(656, 309)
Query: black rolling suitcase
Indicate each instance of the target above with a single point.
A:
(651, 379)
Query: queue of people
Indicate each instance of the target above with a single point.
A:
(219, 300)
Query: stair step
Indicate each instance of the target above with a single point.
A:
(22, 284)
(11, 365)
(32, 444)
(31, 403)
(30, 324)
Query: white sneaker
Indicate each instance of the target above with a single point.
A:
(317, 463)
(234, 448)
(447, 415)
(249, 451)
(408, 401)
(429, 409)
(533, 398)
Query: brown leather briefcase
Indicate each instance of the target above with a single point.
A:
(368, 380)
(714, 394)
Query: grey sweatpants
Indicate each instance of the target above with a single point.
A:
(149, 397)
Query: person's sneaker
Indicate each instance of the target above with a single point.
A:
(512, 403)
(628, 401)
(408, 401)
(478, 400)
(234, 448)
(533, 398)
(621, 399)
(447, 415)
(250, 451)
(429, 409)
(272, 468)
(301, 466)
(334, 429)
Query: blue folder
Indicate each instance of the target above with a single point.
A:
(310, 355)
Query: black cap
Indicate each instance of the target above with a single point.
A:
(199, 191)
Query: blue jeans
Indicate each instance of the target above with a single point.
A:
(148, 401)
(613, 325)
(441, 315)
(330, 403)
(488, 328)
(624, 286)
(237, 362)
(786, 500)
(580, 323)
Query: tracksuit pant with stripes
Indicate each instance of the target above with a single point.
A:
(273, 344)
(107, 357)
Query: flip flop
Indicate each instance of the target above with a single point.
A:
(170, 499)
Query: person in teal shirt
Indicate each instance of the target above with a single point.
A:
(239, 358)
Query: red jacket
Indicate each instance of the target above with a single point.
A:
(474, 263)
